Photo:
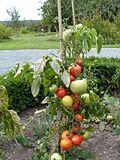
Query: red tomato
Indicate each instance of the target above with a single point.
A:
(76, 107)
(72, 78)
(79, 62)
(76, 70)
(66, 144)
(65, 134)
(61, 92)
(77, 140)
(79, 117)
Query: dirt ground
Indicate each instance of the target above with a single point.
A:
(103, 143)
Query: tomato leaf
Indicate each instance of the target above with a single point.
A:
(65, 78)
(8, 124)
(38, 67)
(46, 100)
(35, 86)
(55, 66)
(16, 120)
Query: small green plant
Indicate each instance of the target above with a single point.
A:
(24, 30)
(116, 123)
(5, 32)
(9, 120)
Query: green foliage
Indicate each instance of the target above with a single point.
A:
(106, 8)
(109, 30)
(48, 67)
(24, 30)
(23, 140)
(9, 120)
(116, 123)
(83, 8)
(19, 88)
(5, 32)
(34, 26)
(103, 74)
(117, 21)
(82, 154)
(79, 40)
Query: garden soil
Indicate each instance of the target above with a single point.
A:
(103, 143)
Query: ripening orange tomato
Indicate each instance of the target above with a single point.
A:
(75, 71)
(66, 144)
(65, 134)
(78, 117)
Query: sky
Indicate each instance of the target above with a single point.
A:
(27, 9)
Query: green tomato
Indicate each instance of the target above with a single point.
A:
(86, 99)
(86, 135)
(79, 86)
(109, 117)
(53, 88)
(56, 156)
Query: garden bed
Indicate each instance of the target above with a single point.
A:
(103, 143)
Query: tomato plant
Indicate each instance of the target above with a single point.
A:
(73, 102)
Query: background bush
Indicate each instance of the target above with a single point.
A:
(19, 89)
(24, 30)
(5, 32)
(109, 30)
(104, 74)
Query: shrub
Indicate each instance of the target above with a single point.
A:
(5, 32)
(24, 30)
(19, 89)
(107, 29)
(104, 73)
(117, 21)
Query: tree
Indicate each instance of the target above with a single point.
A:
(50, 14)
(14, 14)
(108, 9)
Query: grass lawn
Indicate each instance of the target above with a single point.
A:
(30, 41)
(34, 41)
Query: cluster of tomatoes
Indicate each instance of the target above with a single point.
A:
(70, 139)
(70, 99)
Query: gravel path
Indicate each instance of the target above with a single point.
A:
(9, 58)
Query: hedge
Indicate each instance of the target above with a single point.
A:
(19, 89)
(104, 74)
